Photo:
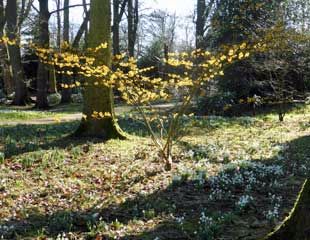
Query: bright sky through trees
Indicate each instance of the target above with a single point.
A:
(180, 7)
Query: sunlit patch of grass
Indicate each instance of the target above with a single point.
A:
(15, 115)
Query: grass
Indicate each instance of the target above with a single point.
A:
(28, 113)
(233, 178)
(13, 114)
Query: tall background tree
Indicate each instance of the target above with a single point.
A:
(133, 20)
(119, 7)
(66, 92)
(204, 10)
(43, 72)
(13, 27)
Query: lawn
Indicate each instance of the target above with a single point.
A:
(15, 114)
(233, 178)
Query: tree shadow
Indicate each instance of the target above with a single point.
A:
(20, 139)
(185, 199)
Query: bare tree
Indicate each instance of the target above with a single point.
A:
(204, 10)
(83, 29)
(66, 92)
(118, 12)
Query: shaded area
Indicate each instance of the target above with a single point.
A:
(185, 198)
(297, 225)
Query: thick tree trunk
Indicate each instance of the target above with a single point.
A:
(52, 80)
(43, 72)
(7, 77)
(14, 54)
(66, 92)
(17, 74)
(99, 98)
(297, 225)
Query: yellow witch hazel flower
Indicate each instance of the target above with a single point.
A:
(243, 46)
(231, 52)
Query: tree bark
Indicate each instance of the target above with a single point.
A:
(58, 24)
(115, 29)
(5, 70)
(297, 225)
(133, 18)
(43, 72)
(86, 26)
(99, 97)
(200, 23)
(66, 92)
(14, 54)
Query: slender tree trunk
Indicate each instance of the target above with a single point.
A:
(66, 27)
(99, 98)
(81, 31)
(58, 24)
(5, 70)
(118, 12)
(115, 29)
(14, 54)
(86, 26)
(66, 92)
(43, 72)
(200, 23)
(132, 17)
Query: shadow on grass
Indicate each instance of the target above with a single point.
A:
(19, 139)
(184, 198)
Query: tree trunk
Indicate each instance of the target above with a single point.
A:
(297, 225)
(58, 24)
(7, 77)
(115, 29)
(133, 18)
(5, 69)
(52, 80)
(66, 92)
(14, 54)
(43, 72)
(118, 12)
(81, 31)
(86, 26)
(200, 23)
(98, 97)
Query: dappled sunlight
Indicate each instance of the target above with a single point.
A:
(218, 181)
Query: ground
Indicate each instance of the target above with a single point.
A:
(233, 178)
